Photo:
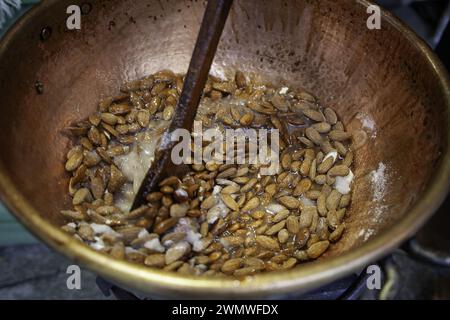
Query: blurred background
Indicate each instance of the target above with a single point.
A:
(42, 272)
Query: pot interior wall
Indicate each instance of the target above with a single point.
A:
(373, 78)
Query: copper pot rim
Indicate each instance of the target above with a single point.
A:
(307, 277)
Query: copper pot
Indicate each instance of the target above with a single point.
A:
(324, 46)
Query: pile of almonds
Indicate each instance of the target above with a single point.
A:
(219, 219)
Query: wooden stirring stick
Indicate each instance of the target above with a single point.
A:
(205, 48)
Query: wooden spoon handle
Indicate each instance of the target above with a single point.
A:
(208, 38)
(205, 48)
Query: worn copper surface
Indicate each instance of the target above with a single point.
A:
(323, 46)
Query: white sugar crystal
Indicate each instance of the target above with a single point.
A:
(155, 245)
(98, 244)
(343, 184)
(283, 90)
(332, 154)
(274, 208)
(143, 233)
(103, 229)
